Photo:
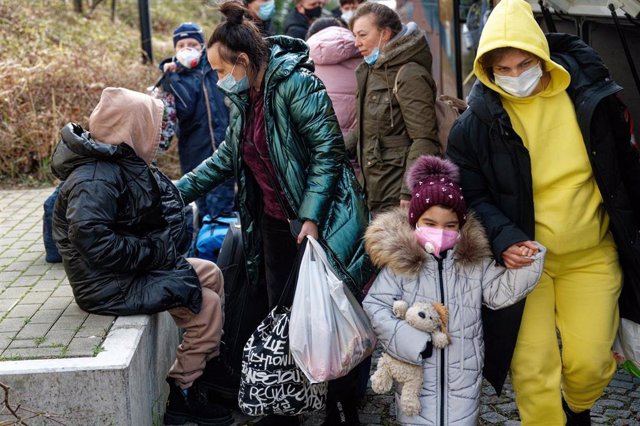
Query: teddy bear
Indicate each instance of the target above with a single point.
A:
(431, 318)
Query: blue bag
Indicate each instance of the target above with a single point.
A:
(51, 251)
(211, 235)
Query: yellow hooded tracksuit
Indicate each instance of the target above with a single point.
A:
(579, 290)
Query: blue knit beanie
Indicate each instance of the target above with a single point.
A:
(188, 30)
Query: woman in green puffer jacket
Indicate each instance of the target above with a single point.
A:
(285, 149)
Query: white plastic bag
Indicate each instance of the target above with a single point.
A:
(329, 333)
(626, 347)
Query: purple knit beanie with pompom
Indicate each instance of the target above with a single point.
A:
(434, 181)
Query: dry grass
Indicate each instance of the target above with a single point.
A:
(54, 64)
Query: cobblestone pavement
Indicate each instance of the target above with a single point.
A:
(38, 317)
(619, 406)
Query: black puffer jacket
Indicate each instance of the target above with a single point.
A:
(296, 25)
(119, 226)
(496, 178)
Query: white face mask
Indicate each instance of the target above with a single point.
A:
(522, 85)
(189, 57)
(346, 16)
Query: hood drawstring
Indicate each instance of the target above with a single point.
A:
(209, 113)
(389, 93)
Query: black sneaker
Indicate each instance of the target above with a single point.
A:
(276, 420)
(582, 418)
(341, 412)
(220, 379)
(193, 408)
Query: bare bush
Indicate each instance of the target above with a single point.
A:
(19, 414)
(54, 64)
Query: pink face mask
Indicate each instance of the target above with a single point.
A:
(435, 240)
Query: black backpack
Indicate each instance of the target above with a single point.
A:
(246, 304)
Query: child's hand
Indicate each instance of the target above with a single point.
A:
(170, 67)
(528, 248)
(519, 255)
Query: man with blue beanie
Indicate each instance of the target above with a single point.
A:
(201, 113)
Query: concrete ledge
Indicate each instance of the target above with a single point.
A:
(122, 385)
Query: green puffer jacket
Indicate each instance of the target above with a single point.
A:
(395, 130)
(307, 151)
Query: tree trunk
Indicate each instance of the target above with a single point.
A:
(77, 6)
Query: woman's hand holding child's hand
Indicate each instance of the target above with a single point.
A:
(519, 255)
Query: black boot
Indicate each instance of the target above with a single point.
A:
(193, 407)
(220, 379)
(342, 412)
(276, 420)
(582, 418)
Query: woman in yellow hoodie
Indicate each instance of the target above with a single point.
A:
(545, 153)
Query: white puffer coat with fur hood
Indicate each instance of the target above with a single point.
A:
(465, 279)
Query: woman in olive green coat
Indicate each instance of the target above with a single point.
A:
(393, 128)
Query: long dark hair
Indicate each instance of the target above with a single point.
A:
(236, 35)
(323, 23)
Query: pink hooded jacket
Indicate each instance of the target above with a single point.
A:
(335, 56)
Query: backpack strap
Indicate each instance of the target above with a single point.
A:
(447, 110)
(395, 83)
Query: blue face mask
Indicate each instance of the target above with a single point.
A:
(373, 57)
(267, 10)
(231, 85)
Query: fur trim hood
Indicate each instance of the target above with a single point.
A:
(409, 45)
(390, 242)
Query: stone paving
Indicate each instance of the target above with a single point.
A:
(39, 319)
(619, 406)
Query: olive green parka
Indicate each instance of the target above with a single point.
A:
(307, 151)
(394, 130)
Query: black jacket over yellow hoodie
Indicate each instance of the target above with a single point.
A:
(496, 172)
